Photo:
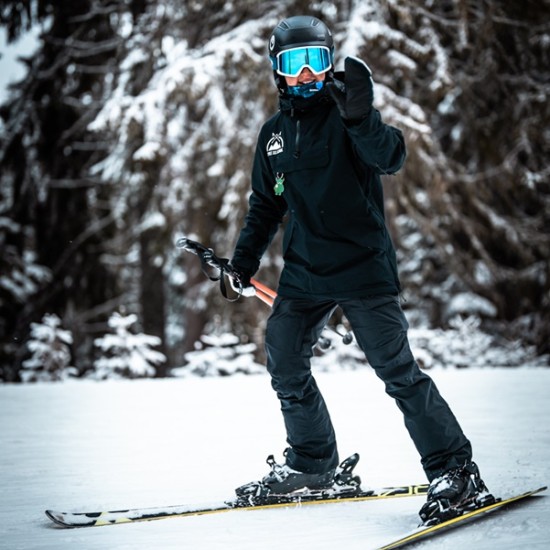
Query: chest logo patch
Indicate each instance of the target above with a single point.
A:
(275, 145)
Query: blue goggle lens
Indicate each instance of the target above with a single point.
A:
(291, 62)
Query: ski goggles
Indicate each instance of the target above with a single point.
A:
(317, 59)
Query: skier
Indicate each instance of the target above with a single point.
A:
(318, 161)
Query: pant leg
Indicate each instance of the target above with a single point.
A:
(380, 328)
(292, 330)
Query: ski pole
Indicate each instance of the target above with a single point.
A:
(267, 296)
(263, 292)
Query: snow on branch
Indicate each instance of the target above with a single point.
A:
(49, 346)
(123, 354)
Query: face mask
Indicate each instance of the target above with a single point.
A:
(306, 90)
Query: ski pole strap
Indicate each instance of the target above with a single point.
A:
(209, 259)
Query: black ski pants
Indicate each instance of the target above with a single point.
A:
(380, 328)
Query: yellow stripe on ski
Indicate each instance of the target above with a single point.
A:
(449, 524)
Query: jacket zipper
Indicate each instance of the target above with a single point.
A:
(297, 151)
(297, 140)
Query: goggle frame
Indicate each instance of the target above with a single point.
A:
(321, 64)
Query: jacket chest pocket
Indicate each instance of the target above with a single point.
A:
(310, 159)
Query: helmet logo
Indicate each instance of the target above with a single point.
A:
(275, 145)
(272, 42)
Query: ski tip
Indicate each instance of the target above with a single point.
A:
(56, 517)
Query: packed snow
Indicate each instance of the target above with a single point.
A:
(88, 445)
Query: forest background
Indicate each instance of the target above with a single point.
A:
(136, 123)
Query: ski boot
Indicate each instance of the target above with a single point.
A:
(283, 483)
(458, 490)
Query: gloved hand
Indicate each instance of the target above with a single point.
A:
(354, 98)
(240, 283)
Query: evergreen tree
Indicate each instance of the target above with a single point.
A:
(221, 355)
(137, 123)
(124, 354)
(53, 209)
(49, 346)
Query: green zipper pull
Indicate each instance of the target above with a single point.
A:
(279, 186)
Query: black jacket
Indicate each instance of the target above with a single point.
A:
(336, 243)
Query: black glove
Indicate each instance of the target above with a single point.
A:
(240, 282)
(354, 98)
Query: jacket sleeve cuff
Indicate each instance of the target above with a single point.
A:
(244, 265)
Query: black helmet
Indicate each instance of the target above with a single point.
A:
(296, 32)
(300, 30)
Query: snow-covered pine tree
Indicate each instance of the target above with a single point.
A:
(48, 215)
(124, 354)
(221, 355)
(50, 352)
(137, 123)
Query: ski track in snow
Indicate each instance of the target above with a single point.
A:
(84, 445)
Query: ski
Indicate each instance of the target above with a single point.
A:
(94, 519)
(425, 531)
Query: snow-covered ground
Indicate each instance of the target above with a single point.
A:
(108, 445)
